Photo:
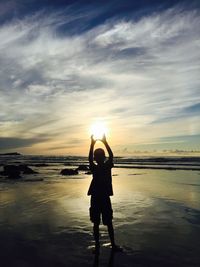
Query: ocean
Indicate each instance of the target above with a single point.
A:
(44, 218)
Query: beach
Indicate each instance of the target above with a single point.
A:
(44, 218)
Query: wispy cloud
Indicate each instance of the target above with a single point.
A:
(131, 73)
(12, 142)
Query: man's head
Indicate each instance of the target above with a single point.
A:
(99, 155)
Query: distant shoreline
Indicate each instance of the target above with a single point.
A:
(11, 154)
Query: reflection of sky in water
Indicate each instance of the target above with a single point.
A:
(181, 186)
(152, 209)
(66, 200)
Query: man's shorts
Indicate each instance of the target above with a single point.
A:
(101, 205)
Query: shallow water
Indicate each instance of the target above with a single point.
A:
(156, 218)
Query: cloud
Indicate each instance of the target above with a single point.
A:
(12, 142)
(131, 73)
(194, 109)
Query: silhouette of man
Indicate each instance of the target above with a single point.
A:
(100, 190)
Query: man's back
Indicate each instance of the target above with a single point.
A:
(101, 183)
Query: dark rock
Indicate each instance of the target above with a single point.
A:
(69, 172)
(83, 168)
(2, 173)
(12, 171)
(26, 170)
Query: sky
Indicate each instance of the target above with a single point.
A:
(133, 65)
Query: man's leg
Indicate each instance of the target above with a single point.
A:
(96, 237)
(107, 216)
(111, 233)
(95, 218)
(96, 233)
(115, 248)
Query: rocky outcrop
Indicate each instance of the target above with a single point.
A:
(26, 170)
(15, 171)
(83, 168)
(11, 171)
(69, 172)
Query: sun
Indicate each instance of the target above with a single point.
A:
(98, 129)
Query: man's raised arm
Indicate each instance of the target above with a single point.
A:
(110, 153)
(90, 158)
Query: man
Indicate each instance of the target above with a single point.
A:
(100, 190)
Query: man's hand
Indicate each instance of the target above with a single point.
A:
(93, 141)
(104, 139)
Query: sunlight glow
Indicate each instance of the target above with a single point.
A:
(98, 129)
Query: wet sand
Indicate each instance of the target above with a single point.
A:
(156, 218)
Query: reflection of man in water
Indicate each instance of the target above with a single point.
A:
(100, 190)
